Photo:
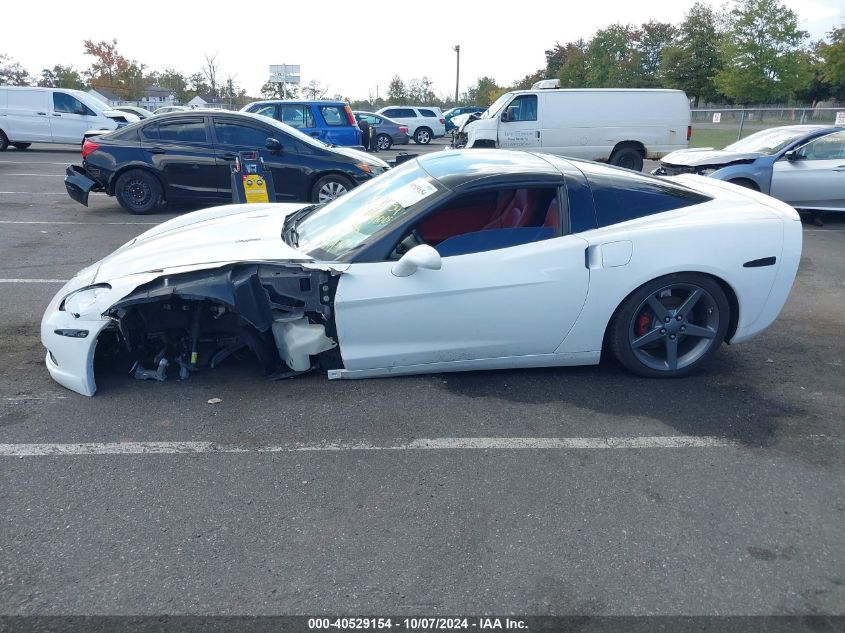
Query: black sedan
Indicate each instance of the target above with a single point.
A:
(187, 158)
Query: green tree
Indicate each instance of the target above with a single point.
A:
(314, 90)
(111, 70)
(762, 54)
(61, 77)
(832, 55)
(529, 80)
(12, 73)
(279, 91)
(397, 92)
(421, 91)
(573, 71)
(613, 60)
(652, 39)
(692, 61)
(175, 81)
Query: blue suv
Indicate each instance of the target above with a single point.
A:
(330, 121)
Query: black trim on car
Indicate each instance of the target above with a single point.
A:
(759, 263)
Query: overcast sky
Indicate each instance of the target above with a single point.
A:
(331, 40)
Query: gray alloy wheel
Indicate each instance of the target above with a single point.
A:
(328, 188)
(4, 141)
(383, 142)
(671, 326)
(422, 136)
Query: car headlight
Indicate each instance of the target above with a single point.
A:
(78, 301)
(368, 168)
(707, 171)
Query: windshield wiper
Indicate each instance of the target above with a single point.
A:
(289, 232)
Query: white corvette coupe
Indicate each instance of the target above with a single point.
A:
(456, 261)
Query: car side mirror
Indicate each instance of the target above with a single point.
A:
(422, 256)
(273, 145)
(506, 116)
(792, 155)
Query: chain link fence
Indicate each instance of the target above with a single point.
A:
(719, 126)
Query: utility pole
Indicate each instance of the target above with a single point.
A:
(457, 49)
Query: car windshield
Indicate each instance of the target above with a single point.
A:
(347, 223)
(498, 104)
(767, 142)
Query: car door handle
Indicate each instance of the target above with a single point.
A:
(156, 150)
(56, 114)
(41, 113)
(840, 168)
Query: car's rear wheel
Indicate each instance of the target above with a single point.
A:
(329, 187)
(4, 141)
(627, 157)
(671, 326)
(138, 191)
(383, 142)
(21, 146)
(422, 136)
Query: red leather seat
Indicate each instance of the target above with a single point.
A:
(518, 212)
(553, 216)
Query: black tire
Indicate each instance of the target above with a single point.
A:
(138, 191)
(4, 141)
(384, 142)
(21, 146)
(330, 187)
(652, 321)
(627, 157)
(422, 136)
(745, 182)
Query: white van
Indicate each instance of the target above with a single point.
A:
(53, 115)
(619, 126)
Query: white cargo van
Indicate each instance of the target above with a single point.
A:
(619, 126)
(53, 115)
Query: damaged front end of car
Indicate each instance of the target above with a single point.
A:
(178, 324)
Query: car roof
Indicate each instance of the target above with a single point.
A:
(456, 168)
(297, 102)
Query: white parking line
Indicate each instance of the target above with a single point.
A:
(79, 223)
(33, 162)
(38, 175)
(437, 443)
(34, 281)
(30, 193)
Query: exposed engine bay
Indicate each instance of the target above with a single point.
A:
(178, 324)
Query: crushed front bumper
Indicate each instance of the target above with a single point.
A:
(79, 184)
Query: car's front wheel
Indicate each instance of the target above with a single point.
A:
(423, 136)
(328, 188)
(138, 191)
(4, 141)
(670, 326)
(383, 142)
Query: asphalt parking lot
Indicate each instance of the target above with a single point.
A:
(576, 491)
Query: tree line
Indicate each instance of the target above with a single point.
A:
(753, 53)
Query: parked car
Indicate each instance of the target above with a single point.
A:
(330, 121)
(169, 109)
(52, 115)
(141, 113)
(452, 112)
(388, 132)
(619, 126)
(803, 165)
(453, 261)
(423, 123)
(187, 157)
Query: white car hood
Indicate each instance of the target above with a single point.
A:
(205, 239)
(706, 156)
(130, 118)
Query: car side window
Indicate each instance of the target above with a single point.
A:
(523, 108)
(298, 116)
(621, 196)
(391, 113)
(183, 131)
(240, 135)
(334, 115)
(487, 220)
(428, 113)
(830, 147)
(401, 113)
(265, 110)
(69, 105)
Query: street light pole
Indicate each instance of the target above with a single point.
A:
(457, 49)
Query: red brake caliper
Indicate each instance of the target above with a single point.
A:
(643, 324)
